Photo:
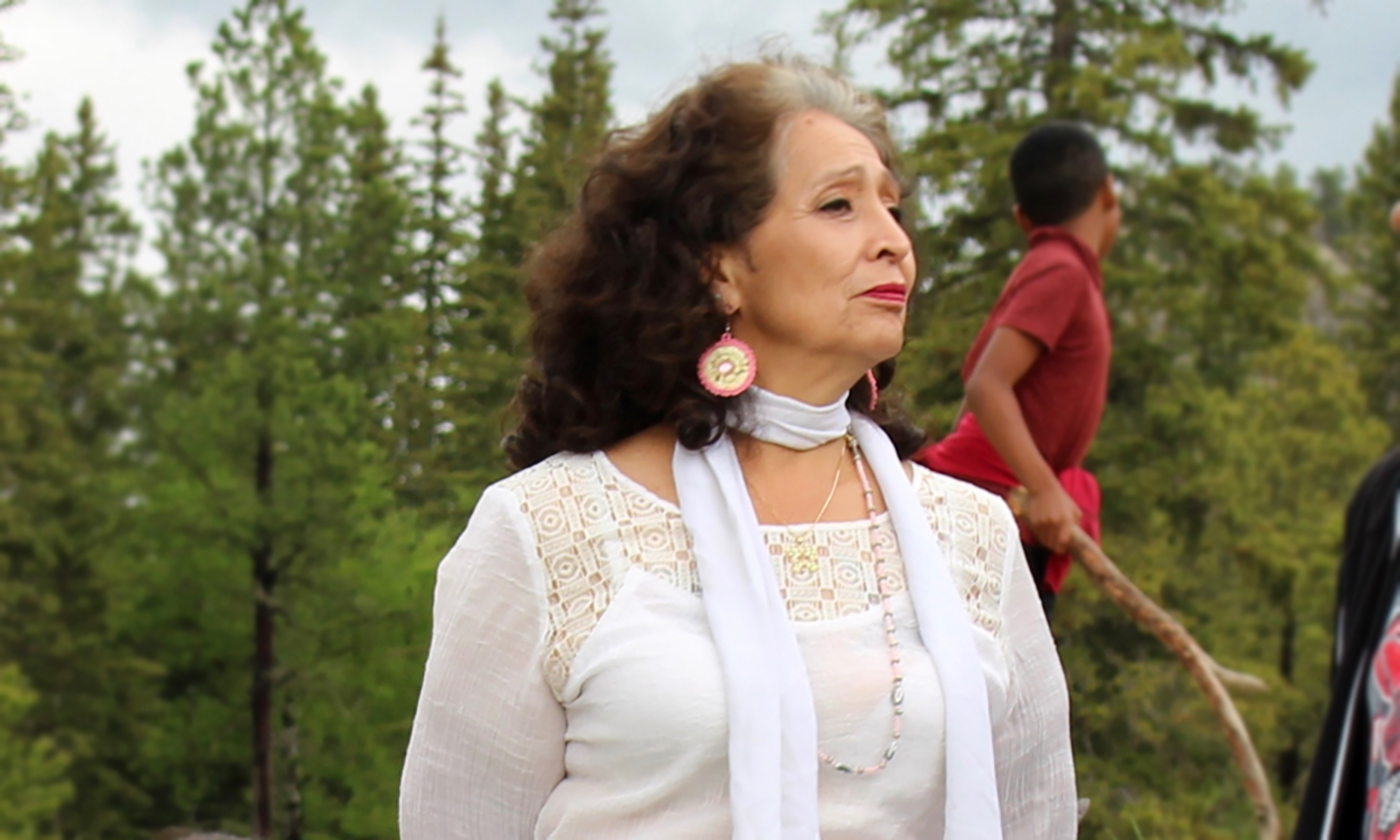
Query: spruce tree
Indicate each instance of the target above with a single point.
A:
(33, 783)
(440, 165)
(278, 222)
(434, 288)
(66, 307)
(490, 330)
(1207, 288)
(977, 75)
(1372, 253)
(569, 121)
(519, 202)
(1330, 188)
(499, 237)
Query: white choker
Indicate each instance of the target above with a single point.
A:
(789, 422)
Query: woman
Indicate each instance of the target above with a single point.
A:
(717, 601)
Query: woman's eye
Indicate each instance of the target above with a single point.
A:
(897, 212)
(836, 205)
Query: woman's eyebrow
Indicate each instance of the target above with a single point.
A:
(850, 173)
(856, 173)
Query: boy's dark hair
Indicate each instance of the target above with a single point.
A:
(1056, 170)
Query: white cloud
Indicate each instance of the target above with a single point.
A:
(132, 67)
(130, 55)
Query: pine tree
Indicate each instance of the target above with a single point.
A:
(34, 784)
(1372, 252)
(33, 787)
(519, 202)
(569, 122)
(489, 332)
(279, 224)
(441, 215)
(12, 117)
(434, 287)
(1207, 287)
(978, 75)
(68, 304)
(498, 241)
(370, 262)
(1329, 190)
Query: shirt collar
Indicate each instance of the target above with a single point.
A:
(1050, 233)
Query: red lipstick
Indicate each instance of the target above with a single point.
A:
(890, 293)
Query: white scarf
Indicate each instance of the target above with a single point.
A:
(772, 721)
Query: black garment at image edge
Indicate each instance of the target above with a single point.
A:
(1334, 803)
(1038, 557)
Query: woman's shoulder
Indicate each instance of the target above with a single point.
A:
(589, 523)
(520, 501)
(572, 493)
(939, 491)
(562, 469)
(555, 489)
(975, 529)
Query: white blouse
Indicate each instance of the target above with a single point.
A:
(573, 691)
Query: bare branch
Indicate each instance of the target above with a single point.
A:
(1207, 673)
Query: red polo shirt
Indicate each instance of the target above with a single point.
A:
(1055, 296)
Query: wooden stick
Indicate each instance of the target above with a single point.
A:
(1209, 674)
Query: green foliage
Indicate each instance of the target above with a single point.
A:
(977, 75)
(32, 784)
(491, 330)
(569, 121)
(1225, 507)
(1233, 432)
(282, 225)
(65, 305)
(284, 430)
(437, 426)
(1371, 251)
(11, 117)
(1329, 191)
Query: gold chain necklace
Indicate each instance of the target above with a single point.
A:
(800, 547)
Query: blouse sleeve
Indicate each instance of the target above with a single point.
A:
(1035, 768)
(487, 746)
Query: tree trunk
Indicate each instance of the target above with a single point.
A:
(1059, 70)
(264, 657)
(291, 746)
(1290, 759)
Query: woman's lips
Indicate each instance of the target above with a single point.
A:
(890, 293)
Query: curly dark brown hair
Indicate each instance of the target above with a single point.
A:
(621, 304)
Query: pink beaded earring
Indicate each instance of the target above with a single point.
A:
(728, 367)
(874, 389)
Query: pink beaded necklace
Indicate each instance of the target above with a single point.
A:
(896, 664)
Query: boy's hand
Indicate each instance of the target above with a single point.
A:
(1052, 515)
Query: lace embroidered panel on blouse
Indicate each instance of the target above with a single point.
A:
(591, 525)
(975, 530)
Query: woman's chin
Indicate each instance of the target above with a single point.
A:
(874, 353)
(885, 343)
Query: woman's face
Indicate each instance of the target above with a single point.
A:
(820, 288)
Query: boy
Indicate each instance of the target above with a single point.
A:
(1036, 378)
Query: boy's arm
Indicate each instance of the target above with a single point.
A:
(1052, 514)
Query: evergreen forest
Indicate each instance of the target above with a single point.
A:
(225, 484)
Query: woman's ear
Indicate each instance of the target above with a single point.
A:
(721, 277)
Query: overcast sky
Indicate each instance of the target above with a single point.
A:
(129, 56)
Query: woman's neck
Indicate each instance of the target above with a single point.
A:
(807, 382)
